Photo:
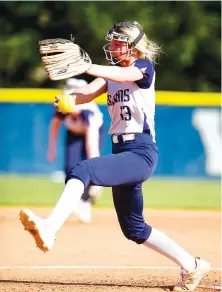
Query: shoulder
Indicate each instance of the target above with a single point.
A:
(147, 68)
(144, 65)
(85, 115)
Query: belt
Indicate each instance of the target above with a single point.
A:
(121, 138)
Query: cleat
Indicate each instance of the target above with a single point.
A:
(36, 227)
(190, 280)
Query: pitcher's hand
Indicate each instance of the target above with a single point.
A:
(65, 104)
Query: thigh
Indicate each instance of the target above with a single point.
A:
(128, 199)
(117, 169)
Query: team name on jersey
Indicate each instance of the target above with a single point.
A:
(122, 95)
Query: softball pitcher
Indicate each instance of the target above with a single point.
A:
(130, 86)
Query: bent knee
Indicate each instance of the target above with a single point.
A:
(139, 235)
(79, 171)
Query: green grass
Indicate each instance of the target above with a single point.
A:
(158, 193)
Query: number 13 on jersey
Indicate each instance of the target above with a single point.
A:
(125, 113)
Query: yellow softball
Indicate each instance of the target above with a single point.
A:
(66, 104)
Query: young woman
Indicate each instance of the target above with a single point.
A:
(129, 84)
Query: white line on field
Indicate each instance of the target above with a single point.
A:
(214, 287)
(94, 267)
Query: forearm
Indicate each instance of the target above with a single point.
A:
(91, 91)
(53, 132)
(115, 73)
(81, 98)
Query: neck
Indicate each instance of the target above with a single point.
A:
(128, 61)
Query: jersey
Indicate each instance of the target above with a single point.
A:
(131, 105)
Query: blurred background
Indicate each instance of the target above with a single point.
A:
(188, 84)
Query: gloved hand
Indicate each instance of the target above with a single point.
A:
(63, 58)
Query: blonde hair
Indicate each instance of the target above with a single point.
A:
(147, 49)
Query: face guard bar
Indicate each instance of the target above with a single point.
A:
(113, 35)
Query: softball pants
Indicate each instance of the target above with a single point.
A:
(130, 164)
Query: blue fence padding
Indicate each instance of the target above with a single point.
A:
(24, 140)
(181, 151)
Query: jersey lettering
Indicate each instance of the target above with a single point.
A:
(120, 96)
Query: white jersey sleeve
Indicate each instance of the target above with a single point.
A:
(132, 104)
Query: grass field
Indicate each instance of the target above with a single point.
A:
(158, 193)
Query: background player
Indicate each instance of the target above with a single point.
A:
(131, 102)
(84, 139)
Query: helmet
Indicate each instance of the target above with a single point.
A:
(72, 84)
(117, 33)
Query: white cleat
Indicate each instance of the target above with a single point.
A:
(189, 281)
(84, 211)
(37, 228)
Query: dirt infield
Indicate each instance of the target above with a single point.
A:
(88, 257)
